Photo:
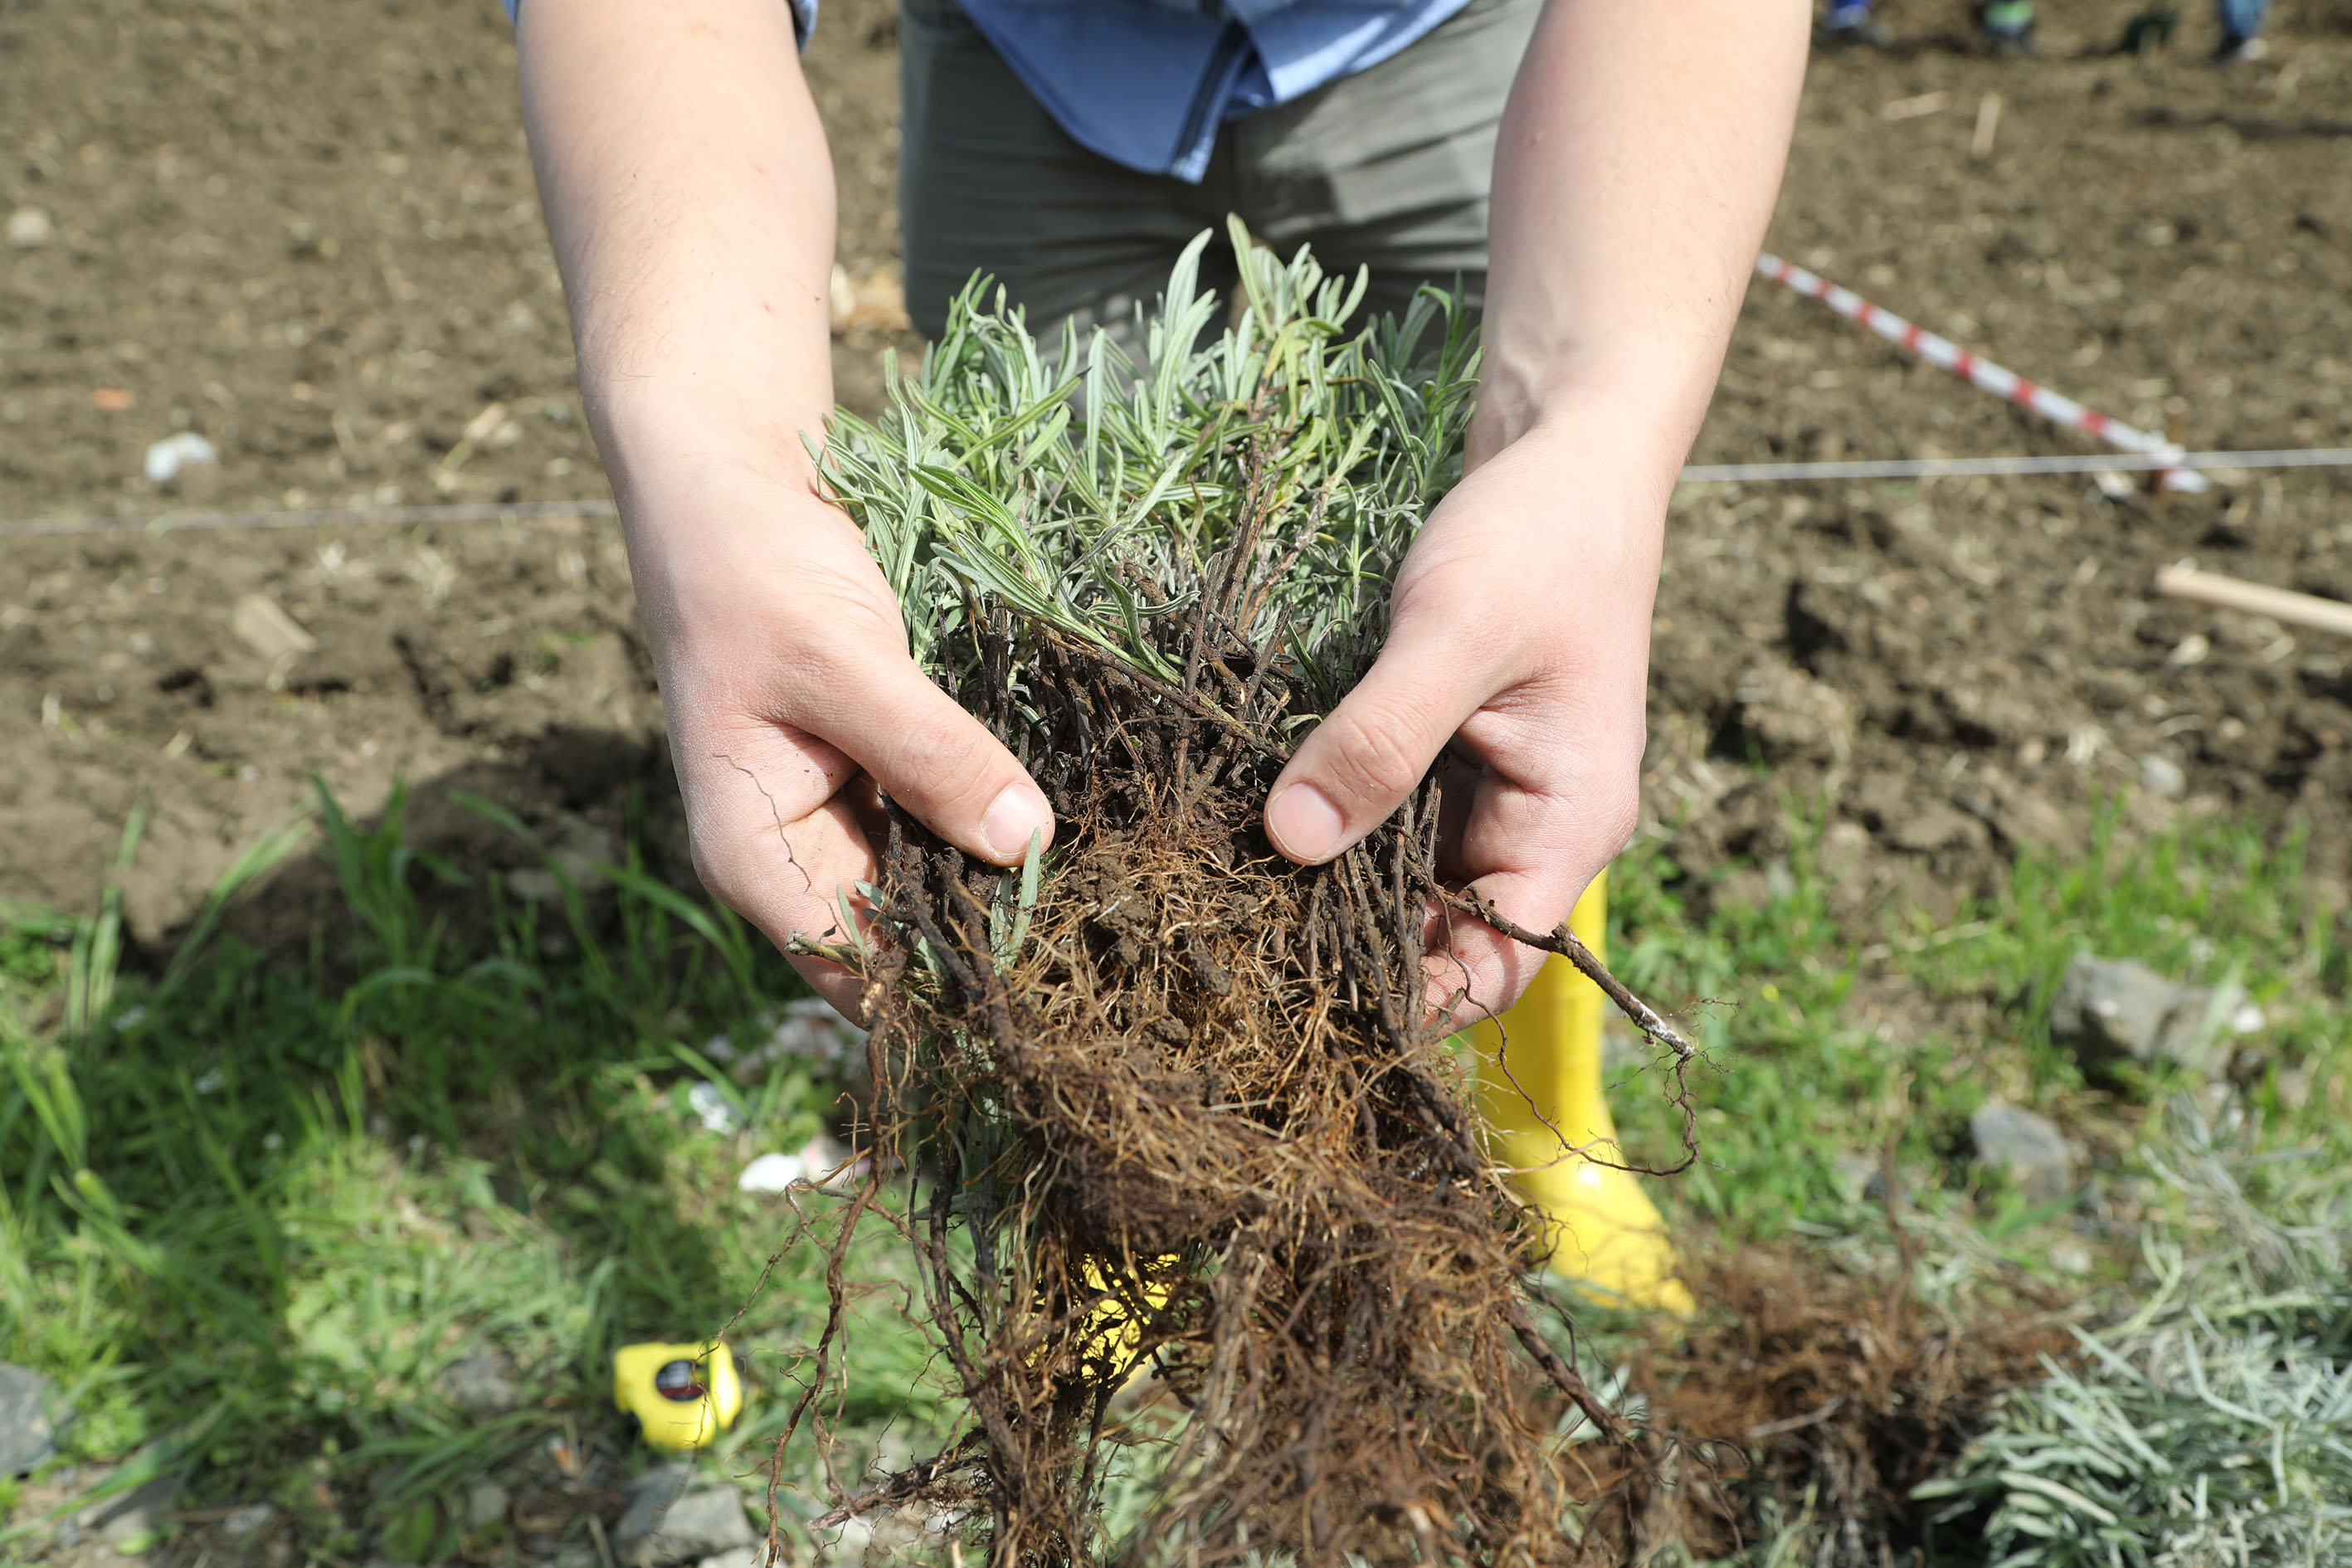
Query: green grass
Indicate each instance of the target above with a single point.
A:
(254, 1205)
(1799, 1076)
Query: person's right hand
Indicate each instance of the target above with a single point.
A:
(689, 197)
(785, 674)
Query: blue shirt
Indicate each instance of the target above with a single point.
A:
(1146, 83)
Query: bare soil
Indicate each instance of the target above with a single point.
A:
(310, 234)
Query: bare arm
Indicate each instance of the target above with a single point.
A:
(690, 197)
(1638, 163)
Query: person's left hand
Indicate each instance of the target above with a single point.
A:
(1520, 638)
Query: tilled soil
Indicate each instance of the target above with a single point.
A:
(309, 235)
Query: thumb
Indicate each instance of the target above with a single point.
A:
(936, 760)
(1374, 749)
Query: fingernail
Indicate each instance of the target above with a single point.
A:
(1017, 814)
(1305, 825)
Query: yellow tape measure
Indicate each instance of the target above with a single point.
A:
(680, 1396)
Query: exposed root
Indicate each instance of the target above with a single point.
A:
(1170, 1106)
(1183, 1110)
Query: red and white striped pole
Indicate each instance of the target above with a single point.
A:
(1982, 373)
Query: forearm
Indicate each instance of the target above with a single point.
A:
(1637, 166)
(689, 196)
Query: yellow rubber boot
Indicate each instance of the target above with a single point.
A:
(1601, 1228)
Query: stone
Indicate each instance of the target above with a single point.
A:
(2163, 775)
(2069, 1256)
(241, 1523)
(771, 1173)
(482, 1382)
(486, 1504)
(29, 228)
(264, 627)
(1855, 1175)
(849, 1544)
(577, 846)
(1862, 1180)
(134, 1521)
(168, 459)
(2108, 1011)
(30, 1419)
(664, 1523)
(735, 1557)
(2026, 1146)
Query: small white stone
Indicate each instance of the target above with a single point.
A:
(711, 1105)
(167, 457)
(771, 1173)
(29, 228)
(2163, 775)
(244, 1521)
(486, 1504)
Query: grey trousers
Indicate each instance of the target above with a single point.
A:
(1388, 169)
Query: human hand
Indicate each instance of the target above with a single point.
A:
(785, 674)
(1518, 640)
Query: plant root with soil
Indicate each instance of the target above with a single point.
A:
(1200, 1206)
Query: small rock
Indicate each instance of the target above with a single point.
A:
(2163, 775)
(1855, 1175)
(482, 1381)
(849, 1544)
(821, 1161)
(2070, 1257)
(137, 1519)
(169, 456)
(661, 1526)
(535, 885)
(242, 1523)
(771, 1173)
(711, 1107)
(486, 1504)
(2110, 1010)
(29, 1417)
(736, 1557)
(29, 228)
(577, 846)
(268, 630)
(1862, 1180)
(807, 1030)
(2027, 1146)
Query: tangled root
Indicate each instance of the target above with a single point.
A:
(1178, 1112)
